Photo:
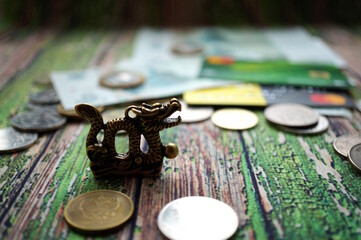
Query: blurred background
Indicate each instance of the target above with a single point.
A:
(177, 13)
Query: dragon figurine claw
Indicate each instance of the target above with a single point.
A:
(149, 120)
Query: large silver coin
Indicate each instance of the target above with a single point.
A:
(234, 119)
(354, 156)
(44, 97)
(192, 114)
(291, 115)
(13, 141)
(121, 79)
(321, 126)
(197, 218)
(37, 121)
(343, 144)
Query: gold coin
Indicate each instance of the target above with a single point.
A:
(234, 119)
(121, 79)
(72, 113)
(98, 210)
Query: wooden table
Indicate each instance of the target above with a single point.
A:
(281, 185)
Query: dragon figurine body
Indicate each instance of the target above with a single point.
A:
(148, 121)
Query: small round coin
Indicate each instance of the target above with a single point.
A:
(343, 143)
(187, 48)
(72, 113)
(321, 126)
(197, 218)
(354, 156)
(13, 141)
(234, 119)
(121, 79)
(98, 210)
(37, 121)
(44, 97)
(291, 115)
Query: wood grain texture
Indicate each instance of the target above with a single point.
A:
(282, 186)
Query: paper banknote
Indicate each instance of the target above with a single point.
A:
(83, 86)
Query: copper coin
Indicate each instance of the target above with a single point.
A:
(343, 143)
(291, 115)
(13, 141)
(121, 79)
(98, 210)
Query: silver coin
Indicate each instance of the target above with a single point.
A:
(343, 144)
(234, 119)
(291, 115)
(121, 79)
(354, 156)
(13, 141)
(192, 115)
(197, 218)
(187, 48)
(321, 126)
(44, 97)
(37, 121)
(42, 107)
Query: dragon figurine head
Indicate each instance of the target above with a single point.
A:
(156, 117)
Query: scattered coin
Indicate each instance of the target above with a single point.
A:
(197, 218)
(354, 156)
(13, 141)
(321, 126)
(234, 119)
(291, 115)
(72, 113)
(43, 79)
(36, 121)
(191, 114)
(98, 210)
(343, 144)
(41, 107)
(187, 48)
(121, 79)
(44, 97)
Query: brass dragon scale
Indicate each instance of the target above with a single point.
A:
(148, 121)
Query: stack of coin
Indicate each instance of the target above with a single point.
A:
(42, 116)
(349, 146)
(234, 119)
(296, 118)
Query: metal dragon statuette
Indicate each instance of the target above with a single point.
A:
(148, 121)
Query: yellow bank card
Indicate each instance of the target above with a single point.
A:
(245, 94)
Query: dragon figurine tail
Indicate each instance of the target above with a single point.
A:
(95, 118)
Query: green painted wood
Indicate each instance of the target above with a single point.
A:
(282, 186)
